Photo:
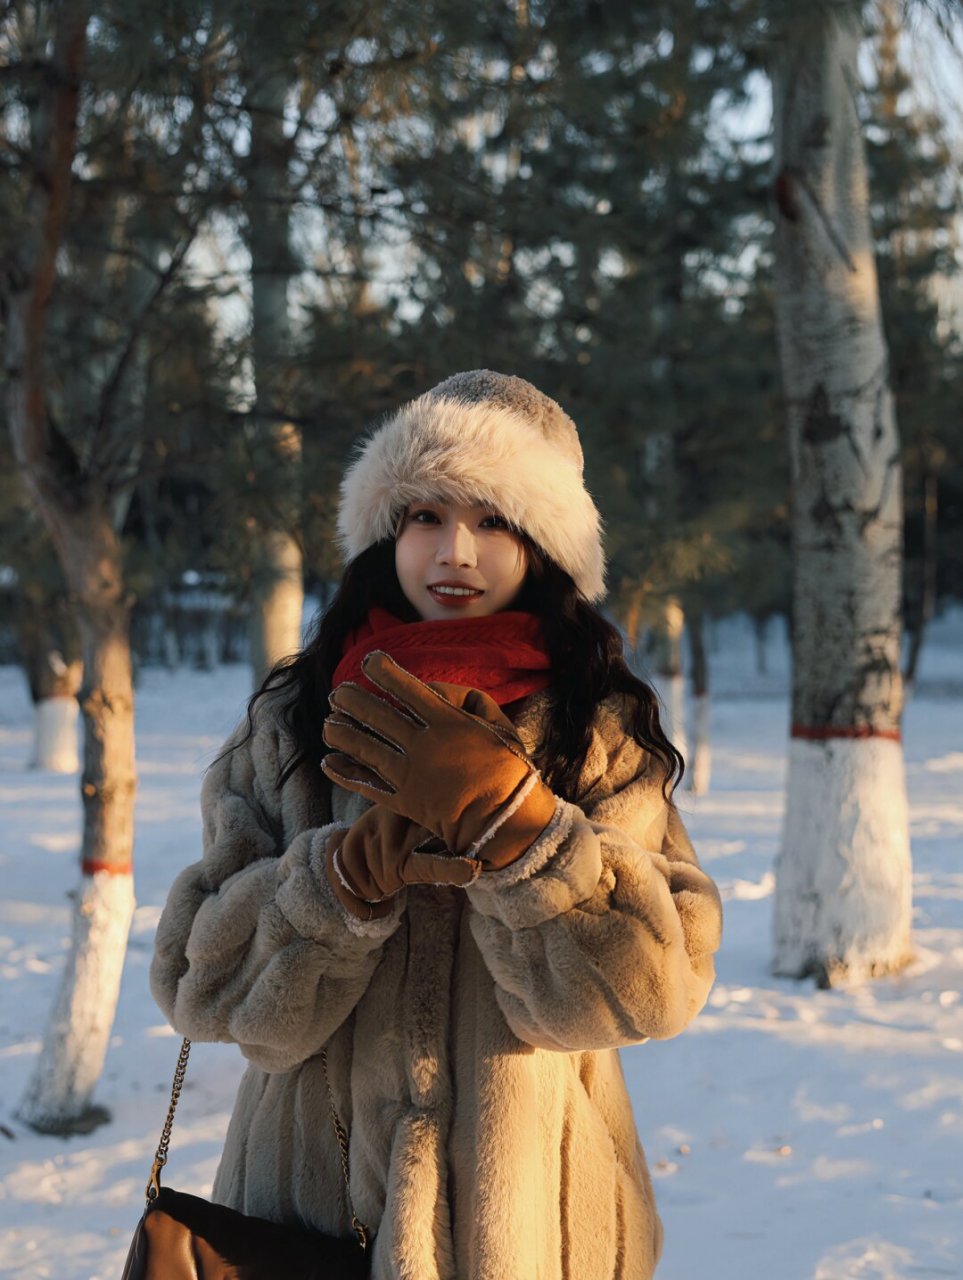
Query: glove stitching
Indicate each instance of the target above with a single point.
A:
(419, 723)
(355, 725)
(352, 722)
(352, 784)
(435, 694)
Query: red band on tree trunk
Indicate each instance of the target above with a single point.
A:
(820, 733)
(90, 867)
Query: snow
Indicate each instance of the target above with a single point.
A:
(793, 1134)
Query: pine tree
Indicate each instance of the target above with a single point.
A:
(592, 291)
(319, 90)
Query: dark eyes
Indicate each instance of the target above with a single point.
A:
(424, 515)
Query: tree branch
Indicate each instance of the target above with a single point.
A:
(33, 269)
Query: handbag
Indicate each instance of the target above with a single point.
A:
(184, 1237)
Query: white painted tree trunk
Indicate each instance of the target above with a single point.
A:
(50, 658)
(842, 900)
(668, 668)
(700, 773)
(674, 694)
(55, 735)
(57, 1099)
(847, 806)
(54, 685)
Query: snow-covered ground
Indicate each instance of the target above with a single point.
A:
(794, 1134)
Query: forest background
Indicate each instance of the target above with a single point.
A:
(234, 236)
(282, 225)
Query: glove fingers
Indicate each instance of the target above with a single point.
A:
(413, 694)
(452, 693)
(368, 709)
(422, 867)
(480, 706)
(366, 751)
(351, 775)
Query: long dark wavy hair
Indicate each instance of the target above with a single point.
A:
(586, 652)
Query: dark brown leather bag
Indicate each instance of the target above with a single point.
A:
(184, 1237)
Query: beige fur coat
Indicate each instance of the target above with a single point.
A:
(472, 1036)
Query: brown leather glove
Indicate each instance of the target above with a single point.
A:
(458, 774)
(380, 854)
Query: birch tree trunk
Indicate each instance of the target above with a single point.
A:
(75, 509)
(842, 899)
(278, 587)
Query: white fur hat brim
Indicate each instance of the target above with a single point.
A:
(452, 448)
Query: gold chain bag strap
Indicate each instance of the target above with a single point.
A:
(184, 1237)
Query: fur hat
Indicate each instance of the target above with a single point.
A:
(485, 438)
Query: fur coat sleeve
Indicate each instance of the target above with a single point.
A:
(603, 933)
(252, 946)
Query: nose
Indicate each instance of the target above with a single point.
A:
(457, 547)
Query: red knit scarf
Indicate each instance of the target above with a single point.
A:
(504, 655)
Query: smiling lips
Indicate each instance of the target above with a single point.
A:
(454, 595)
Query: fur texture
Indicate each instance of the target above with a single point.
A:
(486, 438)
(471, 1037)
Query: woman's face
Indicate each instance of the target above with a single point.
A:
(458, 562)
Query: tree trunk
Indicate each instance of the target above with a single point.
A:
(279, 602)
(75, 509)
(278, 584)
(668, 669)
(49, 654)
(926, 585)
(58, 1095)
(55, 733)
(759, 628)
(842, 901)
(701, 770)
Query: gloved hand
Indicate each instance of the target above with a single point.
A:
(380, 854)
(463, 776)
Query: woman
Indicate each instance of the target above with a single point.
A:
(521, 899)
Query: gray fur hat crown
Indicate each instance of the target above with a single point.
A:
(485, 438)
